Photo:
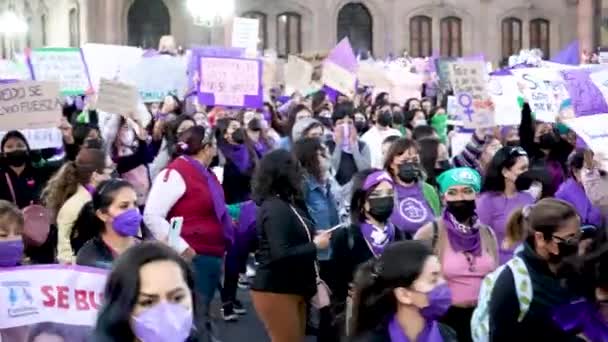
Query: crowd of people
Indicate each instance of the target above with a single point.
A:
(359, 219)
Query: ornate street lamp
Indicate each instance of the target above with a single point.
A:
(210, 13)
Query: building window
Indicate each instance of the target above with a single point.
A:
(539, 36)
(263, 33)
(451, 37)
(43, 29)
(421, 36)
(355, 22)
(511, 37)
(74, 18)
(289, 34)
(28, 37)
(147, 22)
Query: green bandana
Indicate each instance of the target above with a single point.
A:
(459, 176)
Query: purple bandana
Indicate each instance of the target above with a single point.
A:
(238, 154)
(376, 238)
(430, 333)
(585, 316)
(462, 238)
(376, 178)
(90, 189)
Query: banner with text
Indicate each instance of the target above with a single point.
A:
(231, 82)
(468, 79)
(41, 138)
(66, 66)
(29, 105)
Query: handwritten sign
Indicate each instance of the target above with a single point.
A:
(233, 82)
(504, 93)
(109, 61)
(298, 74)
(245, 34)
(586, 97)
(63, 65)
(29, 104)
(593, 129)
(116, 97)
(545, 90)
(468, 79)
(159, 76)
(401, 84)
(338, 78)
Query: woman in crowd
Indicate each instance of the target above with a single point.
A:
(297, 113)
(414, 118)
(434, 158)
(68, 191)
(525, 314)
(188, 189)
(467, 249)
(168, 133)
(258, 133)
(287, 242)
(573, 192)
(411, 104)
(400, 296)
(417, 201)
(499, 197)
(382, 117)
(150, 296)
(360, 121)
(115, 221)
(478, 153)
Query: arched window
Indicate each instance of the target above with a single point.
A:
(421, 36)
(511, 37)
(289, 34)
(43, 29)
(263, 33)
(355, 22)
(540, 36)
(451, 37)
(148, 20)
(74, 18)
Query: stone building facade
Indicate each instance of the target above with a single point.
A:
(495, 28)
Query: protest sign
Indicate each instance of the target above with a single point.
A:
(593, 129)
(29, 104)
(41, 138)
(109, 61)
(66, 66)
(159, 76)
(468, 79)
(338, 78)
(233, 82)
(544, 89)
(603, 55)
(298, 74)
(11, 69)
(402, 84)
(442, 66)
(245, 34)
(372, 75)
(52, 299)
(586, 97)
(504, 93)
(116, 97)
(600, 79)
(458, 142)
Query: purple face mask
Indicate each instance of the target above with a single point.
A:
(440, 300)
(127, 223)
(163, 322)
(11, 252)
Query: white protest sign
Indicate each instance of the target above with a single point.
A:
(109, 61)
(13, 70)
(41, 138)
(30, 104)
(403, 85)
(338, 78)
(117, 97)
(230, 82)
(468, 79)
(544, 89)
(504, 93)
(458, 142)
(298, 74)
(245, 34)
(159, 76)
(600, 79)
(372, 74)
(593, 129)
(63, 65)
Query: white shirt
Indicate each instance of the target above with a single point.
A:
(374, 138)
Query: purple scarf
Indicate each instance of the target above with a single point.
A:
(462, 238)
(260, 148)
(377, 239)
(238, 155)
(219, 202)
(583, 315)
(430, 333)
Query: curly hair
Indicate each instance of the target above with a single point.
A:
(277, 174)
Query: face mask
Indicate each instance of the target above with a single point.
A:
(420, 122)
(444, 165)
(565, 250)
(547, 141)
(238, 136)
(360, 126)
(409, 172)
(127, 223)
(385, 119)
(461, 210)
(512, 143)
(327, 122)
(16, 158)
(381, 208)
(11, 252)
(163, 322)
(440, 300)
(255, 125)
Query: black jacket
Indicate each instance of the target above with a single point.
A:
(381, 335)
(548, 294)
(95, 253)
(286, 255)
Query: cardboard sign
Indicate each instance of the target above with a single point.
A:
(544, 89)
(29, 104)
(63, 65)
(116, 97)
(373, 75)
(338, 78)
(298, 74)
(468, 79)
(159, 76)
(504, 93)
(232, 82)
(245, 34)
(109, 61)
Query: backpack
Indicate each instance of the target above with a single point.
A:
(480, 322)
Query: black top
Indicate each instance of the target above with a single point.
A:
(95, 253)
(348, 167)
(286, 256)
(381, 335)
(28, 185)
(236, 185)
(548, 294)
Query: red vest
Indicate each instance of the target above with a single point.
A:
(201, 229)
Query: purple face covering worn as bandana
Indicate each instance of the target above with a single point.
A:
(376, 178)
(462, 238)
(165, 322)
(430, 333)
(127, 223)
(238, 154)
(11, 252)
(583, 316)
(378, 239)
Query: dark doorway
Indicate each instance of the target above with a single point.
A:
(148, 20)
(355, 22)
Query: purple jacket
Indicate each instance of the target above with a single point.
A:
(574, 193)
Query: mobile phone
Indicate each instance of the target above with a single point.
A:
(175, 231)
(334, 228)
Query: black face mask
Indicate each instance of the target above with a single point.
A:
(255, 125)
(327, 122)
(16, 158)
(461, 210)
(409, 172)
(547, 141)
(512, 143)
(361, 126)
(381, 208)
(565, 250)
(444, 165)
(238, 136)
(385, 119)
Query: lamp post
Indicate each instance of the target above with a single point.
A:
(12, 26)
(210, 13)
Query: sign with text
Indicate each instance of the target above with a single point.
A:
(232, 82)
(298, 74)
(401, 84)
(586, 97)
(468, 79)
(338, 78)
(593, 129)
(504, 93)
(109, 61)
(544, 89)
(116, 97)
(29, 104)
(63, 65)
(11, 69)
(159, 76)
(245, 34)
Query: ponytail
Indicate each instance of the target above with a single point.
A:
(515, 231)
(86, 227)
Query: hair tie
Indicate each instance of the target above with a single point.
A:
(182, 146)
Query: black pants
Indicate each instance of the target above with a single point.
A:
(459, 319)
(329, 330)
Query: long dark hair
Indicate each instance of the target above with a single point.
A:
(428, 157)
(506, 157)
(306, 151)
(398, 147)
(359, 196)
(399, 266)
(278, 174)
(291, 118)
(122, 290)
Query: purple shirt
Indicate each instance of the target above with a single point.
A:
(412, 210)
(494, 210)
(574, 193)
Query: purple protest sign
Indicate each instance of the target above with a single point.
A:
(587, 99)
(194, 64)
(343, 56)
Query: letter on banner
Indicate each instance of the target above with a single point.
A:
(338, 78)
(64, 65)
(468, 79)
(117, 97)
(544, 89)
(29, 105)
(298, 74)
(233, 82)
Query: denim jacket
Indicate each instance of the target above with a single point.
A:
(322, 207)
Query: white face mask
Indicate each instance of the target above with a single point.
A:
(536, 190)
(421, 122)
